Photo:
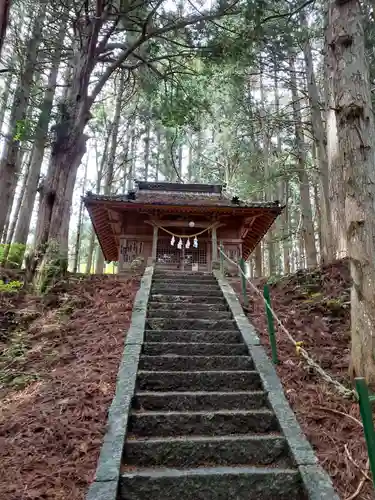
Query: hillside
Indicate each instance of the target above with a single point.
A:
(314, 307)
(58, 365)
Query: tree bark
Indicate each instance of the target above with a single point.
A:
(146, 150)
(41, 132)
(4, 19)
(9, 164)
(12, 225)
(79, 224)
(307, 218)
(270, 236)
(326, 250)
(355, 157)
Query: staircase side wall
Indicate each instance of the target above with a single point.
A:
(107, 474)
(316, 481)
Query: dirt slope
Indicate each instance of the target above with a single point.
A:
(57, 376)
(314, 307)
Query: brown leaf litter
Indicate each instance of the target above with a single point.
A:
(314, 307)
(58, 369)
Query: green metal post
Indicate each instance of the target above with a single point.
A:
(221, 258)
(271, 324)
(368, 424)
(243, 281)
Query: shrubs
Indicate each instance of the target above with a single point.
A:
(13, 254)
(11, 286)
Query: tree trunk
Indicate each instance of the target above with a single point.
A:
(79, 224)
(146, 151)
(12, 225)
(133, 150)
(284, 198)
(5, 98)
(4, 19)
(335, 172)
(307, 218)
(90, 253)
(356, 143)
(258, 260)
(158, 150)
(41, 132)
(190, 161)
(108, 184)
(9, 165)
(326, 250)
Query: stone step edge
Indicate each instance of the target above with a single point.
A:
(198, 471)
(199, 393)
(219, 357)
(175, 344)
(230, 373)
(208, 439)
(147, 330)
(260, 412)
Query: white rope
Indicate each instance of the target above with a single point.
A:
(344, 391)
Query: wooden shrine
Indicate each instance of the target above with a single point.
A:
(177, 226)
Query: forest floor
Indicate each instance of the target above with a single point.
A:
(59, 357)
(314, 306)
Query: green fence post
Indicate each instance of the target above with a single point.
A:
(222, 258)
(243, 281)
(271, 324)
(368, 424)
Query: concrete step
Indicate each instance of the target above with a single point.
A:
(182, 275)
(188, 349)
(189, 324)
(199, 291)
(195, 451)
(212, 483)
(200, 401)
(198, 381)
(171, 362)
(189, 313)
(227, 336)
(186, 299)
(218, 423)
(185, 281)
(172, 306)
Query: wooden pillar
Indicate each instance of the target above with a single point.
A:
(155, 243)
(214, 244)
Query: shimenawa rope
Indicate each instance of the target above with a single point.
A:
(347, 393)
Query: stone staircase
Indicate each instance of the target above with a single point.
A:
(201, 426)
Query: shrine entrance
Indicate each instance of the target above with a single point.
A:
(185, 259)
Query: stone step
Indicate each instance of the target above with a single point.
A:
(195, 451)
(189, 313)
(199, 291)
(182, 274)
(189, 324)
(171, 362)
(212, 483)
(185, 283)
(200, 401)
(172, 306)
(198, 381)
(188, 349)
(186, 299)
(226, 336)
(218, 423)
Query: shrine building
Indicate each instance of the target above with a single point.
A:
(177, 226)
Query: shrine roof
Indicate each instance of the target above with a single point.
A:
(168, 193)
(164, 197)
